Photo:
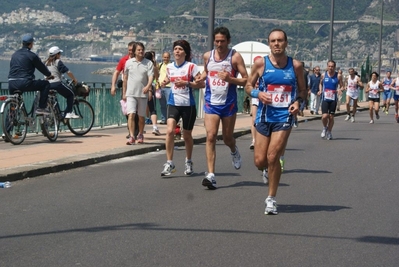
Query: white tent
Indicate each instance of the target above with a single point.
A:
(250, 49)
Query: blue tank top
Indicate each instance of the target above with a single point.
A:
(330, 85)
(281, 83)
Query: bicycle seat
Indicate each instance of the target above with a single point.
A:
(19, 92)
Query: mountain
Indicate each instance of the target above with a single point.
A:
(182, 19)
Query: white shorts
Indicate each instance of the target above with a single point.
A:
(255, 101)
(353, 95)
(136, 105)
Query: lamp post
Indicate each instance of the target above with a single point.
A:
(330, 53)
(380, 46)
(211, 23)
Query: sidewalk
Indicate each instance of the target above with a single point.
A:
(37, 156)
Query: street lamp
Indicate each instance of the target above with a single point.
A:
(211, 23)
(380, 47)
(331, 30)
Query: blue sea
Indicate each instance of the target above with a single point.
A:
(81, 69)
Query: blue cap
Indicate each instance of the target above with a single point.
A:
(28, 38)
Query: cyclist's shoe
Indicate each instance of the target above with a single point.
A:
(71, 115)
(43, 111)
(271, 206)
(140, 139)
(130, 141)
(168, 169)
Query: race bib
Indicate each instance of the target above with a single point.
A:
(386, 87)
(329, 94)
(281, 95)
(218, 86)
(177, 89)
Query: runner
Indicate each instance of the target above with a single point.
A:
(395, 86)
(279, 77)
(353, 83)
(329, 82)
(222, 66)
(387, 95)
(374, 88)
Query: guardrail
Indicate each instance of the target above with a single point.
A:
(107, 108)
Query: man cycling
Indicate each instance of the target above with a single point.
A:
(21, 76)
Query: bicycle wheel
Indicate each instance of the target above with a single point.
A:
(49, 124)
(82, 125)
(14, 122)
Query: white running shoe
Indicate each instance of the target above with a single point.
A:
(265, 176)
(329, 136)
(347, 117)
(188, 168)
(323, 133)
(352, 119)
(209, 181)
(372, 121)
(377, 116)
(168, 169)
(271, 206)
(236, 159)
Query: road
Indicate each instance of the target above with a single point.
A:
(338, 204)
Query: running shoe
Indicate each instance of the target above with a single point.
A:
(397, 118)
(271, 206)
(265, 176)
(209, 181)
(236, 159)
(156, 131)
(377, 116)
(71, 115)
(386, 112)
(251, 146)
(372, 121)
(323, 133)
(295, 124)
(168, 169)
(383, 109)
(140, 139)
(282, 161)
(130, 141)
(347, 117)
(352, 119)
(329, 136)
(188, 170)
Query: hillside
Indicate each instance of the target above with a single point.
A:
(147, 16)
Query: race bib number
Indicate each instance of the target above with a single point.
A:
(281, 95)
(329, 94)
(386, 87)
(177, 89)
(218, 86)
(352, 87)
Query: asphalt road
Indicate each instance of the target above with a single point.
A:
(338, 203)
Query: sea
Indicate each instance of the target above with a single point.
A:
(83, 71)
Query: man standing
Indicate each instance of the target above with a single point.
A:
(22, 73)
(282, 92)
(353, 83)
(119, 70)
(222, 66)
(137, 82)
(314, 81)
(328, 89)
(165, 91)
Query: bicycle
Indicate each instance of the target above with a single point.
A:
(16, 120)
(81, 107)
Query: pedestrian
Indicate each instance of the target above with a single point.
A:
(165, 91)
(281, 92)
(221, 68)
(353, 83)
(137, 82)
(387, 94)
(374, 88)
(21, 76)
(330, 82)
(119, 83)
(181, 75)
(57, 69)
(151, 104)
(314, 81)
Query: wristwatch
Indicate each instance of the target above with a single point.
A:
(299, 99)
